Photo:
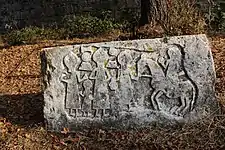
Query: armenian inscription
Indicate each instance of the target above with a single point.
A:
(128, 83)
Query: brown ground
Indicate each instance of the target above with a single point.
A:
(21, 117)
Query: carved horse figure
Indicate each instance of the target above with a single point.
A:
(170, 79)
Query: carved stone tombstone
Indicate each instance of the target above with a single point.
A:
(127, 84)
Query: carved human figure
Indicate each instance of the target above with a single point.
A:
(113, 66)
(71, 78)
(179, 79)
(101, 76)
(87, 98)
(112, 63)
(173, 70)
(85, 63)
(125, 74)
(113, 83)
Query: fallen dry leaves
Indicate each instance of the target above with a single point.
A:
(218, 50)
(21, 103)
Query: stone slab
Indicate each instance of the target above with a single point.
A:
(126, 84)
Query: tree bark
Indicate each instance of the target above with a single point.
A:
(153, 12)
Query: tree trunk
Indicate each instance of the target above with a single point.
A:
(153, 12)
(145, 10)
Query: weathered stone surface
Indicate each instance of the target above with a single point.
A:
(128, 83)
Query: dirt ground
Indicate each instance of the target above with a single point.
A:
(22, 121)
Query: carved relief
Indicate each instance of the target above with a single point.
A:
(72, 99)
(97, 73)
(85, 63)
(125, 88)
(101, 76)
(87, 96)
(169, 78)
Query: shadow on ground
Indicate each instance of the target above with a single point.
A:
(26, 109)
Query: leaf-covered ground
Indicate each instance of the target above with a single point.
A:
(22, 122)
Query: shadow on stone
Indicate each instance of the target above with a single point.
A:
(26, 109)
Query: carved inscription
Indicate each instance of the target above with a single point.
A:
(98, 80)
